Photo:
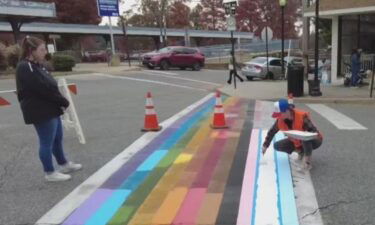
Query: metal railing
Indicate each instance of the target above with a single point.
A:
(367, 62)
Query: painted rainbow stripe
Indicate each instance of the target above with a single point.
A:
(184, 176)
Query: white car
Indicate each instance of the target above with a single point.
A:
(257, 68)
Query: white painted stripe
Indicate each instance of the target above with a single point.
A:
(149, 81)
(161, 72)
(72, 201)
(266, 211)
(181, 78)
(338, 119)
(7, 92)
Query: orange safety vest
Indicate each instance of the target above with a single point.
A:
(299, 115)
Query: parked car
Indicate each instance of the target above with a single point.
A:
(294, 60)
(257, 68)
(95, 56)
(176, 56)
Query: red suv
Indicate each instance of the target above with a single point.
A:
(181, 57)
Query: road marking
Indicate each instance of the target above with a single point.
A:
(156, 71)
(181, 78)
(338, 119)
(149, 81)
(72, 201)
(246, 211)
(302, 197)
(266, 206)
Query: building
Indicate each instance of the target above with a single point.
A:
(353, 27)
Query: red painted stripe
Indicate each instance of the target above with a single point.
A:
(190, 207)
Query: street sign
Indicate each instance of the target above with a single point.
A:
(231, 23)
(230, 7)
(270, 34)
(108, 7)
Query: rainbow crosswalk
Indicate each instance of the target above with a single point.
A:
(191, 174)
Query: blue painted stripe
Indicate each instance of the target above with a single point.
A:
(287, 200)
(110, 207)
(256, 176)
(152, 160)
(279, 209)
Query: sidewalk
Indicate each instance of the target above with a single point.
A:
(104, 68)
(272, 90)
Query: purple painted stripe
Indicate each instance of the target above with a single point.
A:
(92, 204)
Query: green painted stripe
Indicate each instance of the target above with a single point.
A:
(135, 200)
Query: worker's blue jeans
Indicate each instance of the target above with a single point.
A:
(50, 135)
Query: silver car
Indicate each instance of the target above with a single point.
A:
(257, 68)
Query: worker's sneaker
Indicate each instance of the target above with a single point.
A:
(70, 167)
(307, 165)
(57, 176)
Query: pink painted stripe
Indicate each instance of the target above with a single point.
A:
(188, 212)
(247, 193)
(190, 207)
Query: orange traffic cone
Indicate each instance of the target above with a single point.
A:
(290, 99)
(73, 88)
(3, 102)
(219, 117)
(151, 120)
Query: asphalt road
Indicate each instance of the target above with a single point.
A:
(111, 110)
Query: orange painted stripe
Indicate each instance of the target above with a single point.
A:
(172, 203)
(210, 208)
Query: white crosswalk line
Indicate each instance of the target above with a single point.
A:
(338, 119)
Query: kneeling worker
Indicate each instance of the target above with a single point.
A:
(290, 118)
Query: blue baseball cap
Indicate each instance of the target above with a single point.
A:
(280, 107)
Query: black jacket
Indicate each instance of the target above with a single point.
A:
(38, 93)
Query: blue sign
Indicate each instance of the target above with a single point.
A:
(108, 8)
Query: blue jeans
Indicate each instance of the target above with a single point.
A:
(50, 135)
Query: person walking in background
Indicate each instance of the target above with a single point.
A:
(232, 72)
(355, 60)
(42, 104)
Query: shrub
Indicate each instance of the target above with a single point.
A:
(13, 54)
(63, 62)
(75, 54)
(3, 59)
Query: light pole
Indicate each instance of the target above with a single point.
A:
(315, 86)
(122, 18)
(282, 4)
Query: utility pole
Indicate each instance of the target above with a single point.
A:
(126, 38)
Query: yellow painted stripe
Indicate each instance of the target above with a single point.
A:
(211, 204)
(170, 178)
(170, 206)
(162, 191)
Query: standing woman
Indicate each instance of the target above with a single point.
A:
(42, 104)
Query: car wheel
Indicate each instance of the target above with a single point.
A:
(270, 76)
(182, 68)
(250, 78)
(150, 67)
(164, 65)
(196, 66)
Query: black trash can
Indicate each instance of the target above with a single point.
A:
(295, 80)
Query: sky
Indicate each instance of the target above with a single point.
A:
(129, 4)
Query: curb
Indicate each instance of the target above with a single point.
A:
(341, 100)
